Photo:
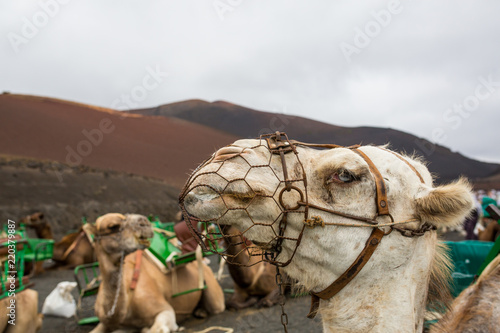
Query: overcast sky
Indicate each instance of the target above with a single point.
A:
(425, 67)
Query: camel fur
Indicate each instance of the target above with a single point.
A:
(82, 252)
(391, 292)
(43, 230)
(37, 222)
(27, 319)
(477, 308)
(150, 306)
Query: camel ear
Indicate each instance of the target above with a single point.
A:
(447, 205)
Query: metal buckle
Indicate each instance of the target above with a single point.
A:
(278, 142)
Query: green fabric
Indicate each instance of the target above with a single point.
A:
(39, 249)
(486, 201)
(160, 245)
(467, 257)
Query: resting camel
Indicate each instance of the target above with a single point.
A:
(477, 308)
(255, 284)
(73, 250)
(43, 230)
(362, 277)
(37, 222)
(27, 319)
(127, 300)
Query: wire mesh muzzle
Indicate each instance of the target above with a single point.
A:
(235, 185)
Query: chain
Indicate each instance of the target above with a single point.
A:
(281, 233)
(415, 233)
(279, 282)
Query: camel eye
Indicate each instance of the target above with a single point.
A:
(341, 177)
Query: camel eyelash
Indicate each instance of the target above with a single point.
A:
(341, 176)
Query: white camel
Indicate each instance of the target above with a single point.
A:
(390, 293)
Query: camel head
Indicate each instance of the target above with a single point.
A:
(117, 233)
(37, 222)
(244, 185)
(33, 219)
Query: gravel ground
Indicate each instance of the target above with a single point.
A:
(242, 321)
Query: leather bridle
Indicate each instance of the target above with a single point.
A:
(279, 143)
(295, 185)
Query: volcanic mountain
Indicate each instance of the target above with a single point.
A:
(79, 134)
(168, 141)
(247, 123)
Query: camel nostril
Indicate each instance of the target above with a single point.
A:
(190, 199)
(227, 153)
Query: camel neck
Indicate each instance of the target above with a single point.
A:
(392, 300)
(112, 293)
(110, 268)
(385, 307)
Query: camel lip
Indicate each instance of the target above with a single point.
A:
(239, 195)
(144, 242)
(212, 197)
(215, 191)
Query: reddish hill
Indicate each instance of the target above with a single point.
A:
(46, 128)
(245, 122)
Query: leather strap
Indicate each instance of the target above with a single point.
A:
(137, 269)
(73, 245)
(407, 163)
(358, 264)
(321, 145)
(381, 198)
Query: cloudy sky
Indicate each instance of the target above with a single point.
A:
(429, 68)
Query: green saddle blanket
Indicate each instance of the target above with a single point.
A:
(467, 257)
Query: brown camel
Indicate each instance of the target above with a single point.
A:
(43, 230)
(477, 308)
(37, 222)
(134, 293)
(25, 318)
(74, 249)
(253, 284)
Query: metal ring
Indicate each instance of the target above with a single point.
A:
(288, 190)
(391, 228)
